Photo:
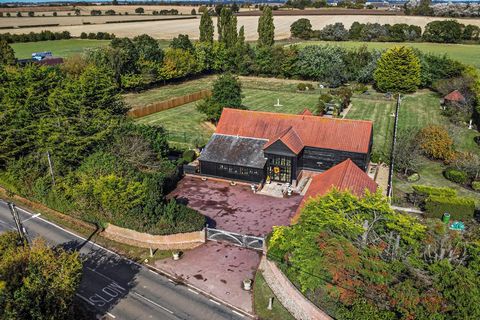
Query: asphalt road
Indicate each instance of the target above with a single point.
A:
(118, 288)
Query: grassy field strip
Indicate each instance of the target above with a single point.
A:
(466, 53)
(60, 48)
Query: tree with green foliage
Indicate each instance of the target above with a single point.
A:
(7, 55)
(302, 28)
(182, 42)
(227, 92)
(37, 282)
(444, 31)
(148, 49)
(398, 70)
(206, 27)
(266, 28)
(227, 28)
(139, 10)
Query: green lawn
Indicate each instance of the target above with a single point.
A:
(60, 48)
(466, 53)
(261, 294)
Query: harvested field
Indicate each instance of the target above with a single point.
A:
(326, 11)
(37, 9)
(170, 29)
(64, 21)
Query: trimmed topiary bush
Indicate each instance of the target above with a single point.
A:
(455, 175)
(434, 191)
(301, 87)
(476, 185)
(460, 208)
(413, 178)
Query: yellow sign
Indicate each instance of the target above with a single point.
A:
(276, 169)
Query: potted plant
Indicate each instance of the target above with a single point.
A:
(247, 284)
(176, 255)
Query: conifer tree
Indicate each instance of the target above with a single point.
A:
(7, 55)
(266, 28)
(227, 28)
(206, 28)
(398, 71)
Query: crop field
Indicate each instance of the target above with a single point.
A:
(171, 28)
(61, 48)
(466, 53)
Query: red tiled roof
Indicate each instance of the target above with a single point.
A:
(313, 131)
(306, 112)
(455, 95)
(344, 176)
(289, 138)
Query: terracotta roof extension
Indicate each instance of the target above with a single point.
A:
(344, 176)
(313, 131)
(289, 138)
(455, 95)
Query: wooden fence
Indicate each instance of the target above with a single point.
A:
(169, 104)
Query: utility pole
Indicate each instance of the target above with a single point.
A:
(51, 167)
(18, 223)
(392, 153)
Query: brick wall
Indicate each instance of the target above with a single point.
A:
(169, 104)
(177, 241)
(292, 299)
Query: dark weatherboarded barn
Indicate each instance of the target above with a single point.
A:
(251, 145)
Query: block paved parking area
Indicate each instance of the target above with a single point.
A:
(235, 208)
(219, 269)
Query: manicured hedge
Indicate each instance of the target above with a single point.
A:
(459, 208)
(434, 191)
(455, 175)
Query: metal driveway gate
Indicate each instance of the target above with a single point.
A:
(246, 241)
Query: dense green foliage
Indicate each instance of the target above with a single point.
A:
(36, 282)
(436, 143)
(434, 191)
(359, 259)
(105, 169)
(7, 55)
(33, 37)
(398, 71)
(442, 31)
(456, 175)
(266, 28)
(226, 92)
(206, 28)
(459, 208)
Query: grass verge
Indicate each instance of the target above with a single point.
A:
(261, 295)
(60, 48)
(84, 229)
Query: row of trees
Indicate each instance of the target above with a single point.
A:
(356, 258)
(104, 168)
(34, 36)
(448, 31)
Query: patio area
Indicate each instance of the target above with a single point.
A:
(236, 208)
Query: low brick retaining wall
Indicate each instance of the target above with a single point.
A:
(292, 299)
(177, 241)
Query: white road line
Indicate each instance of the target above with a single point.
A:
(85, 299)
(32, 217)
(193, 291)
(238, 313)
(216, 302)
(8, 225)
(153, 302)
(101, 274)
(111, 315)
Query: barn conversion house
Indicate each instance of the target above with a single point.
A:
(255, 146)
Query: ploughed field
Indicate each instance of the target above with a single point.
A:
(171, 28)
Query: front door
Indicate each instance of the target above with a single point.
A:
(280, 168)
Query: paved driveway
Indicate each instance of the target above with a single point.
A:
(236, 208)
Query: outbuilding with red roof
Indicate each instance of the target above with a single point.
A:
(254, 146)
